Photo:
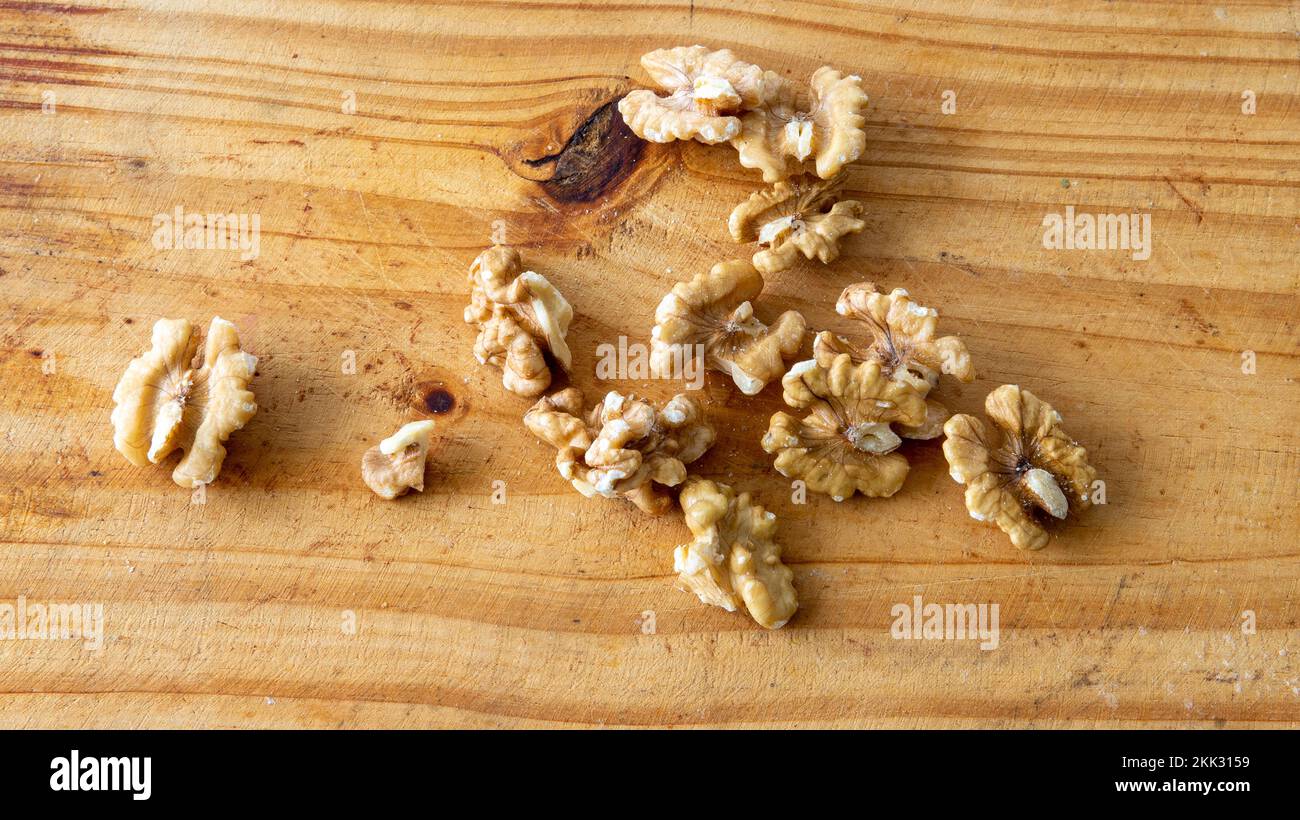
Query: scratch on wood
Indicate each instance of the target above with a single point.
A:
(1196, 209)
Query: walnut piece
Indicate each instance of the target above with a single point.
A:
(396, 464)
(804, 216)
(706, 89)
(713, 310)
(623, 446)
(845, 444)
(521, 318)
(828, 129)
(1022, 471)
(165, 400)
(734, 558)
(903, 342)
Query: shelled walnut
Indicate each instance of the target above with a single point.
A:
(714, 310)
(734, 558)
(1022, 471)
(623, 446)
(396, 464)
(706, 90)
(521, 318)
(846, 443)
(166, 401)
(903, 341)
(825, 125)
(804, 215)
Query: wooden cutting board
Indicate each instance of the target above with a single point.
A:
(381, 146)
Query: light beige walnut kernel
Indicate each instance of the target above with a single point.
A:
(714, 310)
(521, 318)
(734, 558)
(846, 443)
(804, 215)
(623, 447)
(1022, 471)
(167, 401)
(396, 464)
(706, 90)
(793, 127)
(904, 341)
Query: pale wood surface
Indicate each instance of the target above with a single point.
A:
(525, 614)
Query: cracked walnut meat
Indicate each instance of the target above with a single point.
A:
(845, 444)
(1023, 470)
(826, 129)
(904, 342)
(734, 558)
(804, 216)
(706, 90)
(396, 464)
(521, 318)
(624, 446)
(167, 401)
(714, 310)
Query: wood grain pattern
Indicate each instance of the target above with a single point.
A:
(526, 614)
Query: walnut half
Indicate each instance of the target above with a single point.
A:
(623, 446)
(706, 90)
(713, 310)
(826, 128)
(1021, 472)
(804, 216)
(521, 318)
(846, 443)
(734, 558)
(396, 464)
(166, 401)
(903, 340)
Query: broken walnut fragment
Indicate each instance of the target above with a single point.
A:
(804, 216)
(714, 310)
(824, 126)
(1023, 470)
(166, 401)
(734, 558)
(706, 90)
(396, 464)
(624, 446)
(846, 443)
(521, 318)
(903, 341)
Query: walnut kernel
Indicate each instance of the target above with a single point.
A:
(521, 318)
(903, 341)
(828, 129)
(1023, 470)
(624, 446)
(166, 401)
(800, 216)
(396, 464)
(706, 89)
(714, 310)
(734, 558)
(846, 443)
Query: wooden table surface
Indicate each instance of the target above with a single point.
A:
(382, 145)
